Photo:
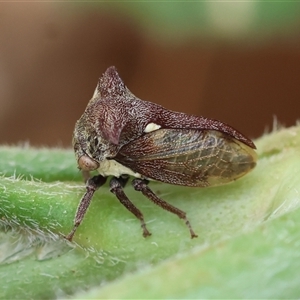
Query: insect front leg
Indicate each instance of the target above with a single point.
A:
(92, 185)
(116, 187)
(142, 186)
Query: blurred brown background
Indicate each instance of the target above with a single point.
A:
(237, 62)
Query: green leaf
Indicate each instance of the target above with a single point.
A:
(262, 264)
(247, 245)
(178, 21)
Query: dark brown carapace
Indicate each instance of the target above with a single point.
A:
(120, 135)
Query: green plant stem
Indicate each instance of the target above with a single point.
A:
(41, 212)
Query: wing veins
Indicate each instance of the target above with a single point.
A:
(166, 153)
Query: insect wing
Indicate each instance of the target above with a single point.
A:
(188, 157)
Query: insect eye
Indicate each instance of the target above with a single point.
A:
(96, 141)
(85, 163)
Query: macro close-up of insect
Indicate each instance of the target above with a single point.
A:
(120, 135)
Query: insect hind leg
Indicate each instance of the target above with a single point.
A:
(116, 187)
(142, 186)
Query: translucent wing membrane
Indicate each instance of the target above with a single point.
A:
(188, 157)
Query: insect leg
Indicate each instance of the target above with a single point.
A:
(91, 186)
(142, 186)
(116, 187)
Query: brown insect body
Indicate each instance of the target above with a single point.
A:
(121, 135)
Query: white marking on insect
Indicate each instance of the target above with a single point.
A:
(151, 127)
(96, 93)
(112, 167)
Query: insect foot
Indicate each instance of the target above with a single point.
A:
(120, 135)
